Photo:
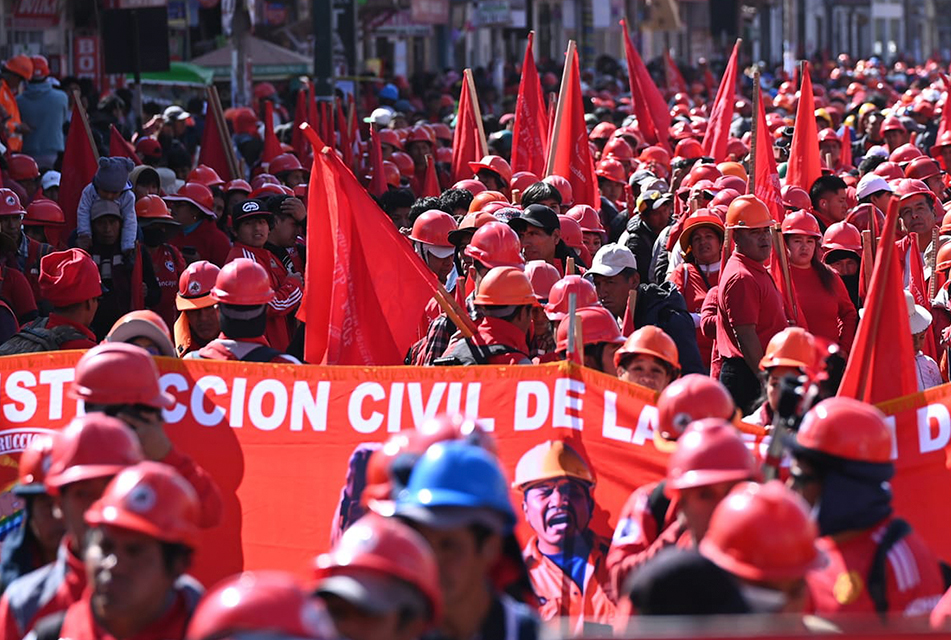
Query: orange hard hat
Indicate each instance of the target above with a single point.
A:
(483, 198)
(495, 164)
(696, 220)
(801, 223)
(469, 225)
(195, 285)
(543, 277)
(618, 147)
(652, 341)
(922, 168)
(522, 180)
(597, 326)
(284, 163)
(563, 187)
(389, 548)
(791, 347)
(243, 282)
(691, 398)
(496, 245)
(153, 499)
(197, 194)
(505, 286)
(41, 67)
(710, 451)
(585, 296)
(260, 604)
(117, 373)
(391, 173)
(152, 207)
(549, 460)
(588, 218)
(43, 212)
(733, 169)
(867, 438)
(91, 446)
(748, 212)
(433, 227)
(143, 323)
(388, 136)
(203, 174)
(611, 169)
(795, 197)
(21, 65)
(22, 167)
(762, 533)
(842, 236)
(33, 466)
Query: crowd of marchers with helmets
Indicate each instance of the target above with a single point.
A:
(168, 259)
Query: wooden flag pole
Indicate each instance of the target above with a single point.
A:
(214, 109)
(476, 111)
(933, 263)
(85, 122)
(754, 138)
(868, 257)
(779, 246)
(559, 109)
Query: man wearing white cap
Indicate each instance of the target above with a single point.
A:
(926, 369)
(873, 188)
(49, 182)
(614, 274)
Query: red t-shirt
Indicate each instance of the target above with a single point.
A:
(913, 583)
(209, 242)
(829, 314)
(694, 288)
(168, 264)
(747, 296)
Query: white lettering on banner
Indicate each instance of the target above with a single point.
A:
(16, 389)
(56, 379)
(315, 406)
(17, 440)
(646, 422)
(934, 427)
(395, 422)
(415, 392)
(524, 392)
(236, 412)
(364, 390)
(204, 385)
(177, 382)
(890, 423)
(256, 405)
(564, 400)
(473, 391)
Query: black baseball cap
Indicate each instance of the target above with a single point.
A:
(537, 215)
(247, 209)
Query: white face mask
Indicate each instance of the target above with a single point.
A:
(762, 599)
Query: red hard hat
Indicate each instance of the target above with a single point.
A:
(736, 183)
(203, 174)
(801, 223)
(522, 180)
(587, 217)
(470, 223)
(153, 499)
(387, 547)
(388, 136)
(922, 168)
(795, 197)
(701, 172)
(905, 153)
(689, 148)
(433, 227)
(392, 174)
(944, 140)
(263, 90)
(691, 398)
(618, 147)
(828, 135)
(908, 188)
(867, 438)
(151, 207)
(597, 326)
(843, 236)
(441, 131)
(195, 285)
(33, 467)
(472, 186)
(656, 155)
(860, 217)
(22, 167)
(198, 195)
(43, 212)
(262, 179)
(444, 155)
(710, 451)
(91, 446)
(564, 188)
(115, 373)
(543, 277)
(496, 245)
(571, 232)
(259, 603)
(268, 189)
(762, 533)
(893, 123)
(602, 131)
(284, 163)
(421, 133)
(504, 287)
(652, 341)
(889, 171)
(724, 198)
(243, 282)
(495, 164)
(585, 293)
(21, 65)
(41, 67)
(611, 169)
(404, 162)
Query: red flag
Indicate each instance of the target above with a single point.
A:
(272, 146)
(365, 286)
(569, 155)
(880, 370)
(766, 175)
(345, 147)
(530, 133)
(845, 159)
(80, 162)
(675, 80)
(650, 108)
(298, 141)
(804, 164)
(468, 140)
(945, 123)
(430, 180)
(718, 129)
(377, 186)
(213, 152)
(120, 147)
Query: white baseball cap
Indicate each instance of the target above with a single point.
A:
(612, 259)
(175, 113)
(50, 179)
(870, 184)
(381, 117)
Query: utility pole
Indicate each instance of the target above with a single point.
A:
(323, 17)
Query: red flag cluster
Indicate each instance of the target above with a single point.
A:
(530, 132)
(650, 108)
(804, 165)
(718, 129)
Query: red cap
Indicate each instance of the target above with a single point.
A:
(69, 277)
(149, 147)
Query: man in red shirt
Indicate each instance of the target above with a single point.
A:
(874, 561)
(28, 250)
(157, 225)
(749, 307)
(143, 533)
(193, 207)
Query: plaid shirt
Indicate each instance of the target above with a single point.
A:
(438, 336)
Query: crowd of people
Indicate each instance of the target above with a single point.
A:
(167, 258)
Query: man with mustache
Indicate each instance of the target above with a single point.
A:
(565, 559)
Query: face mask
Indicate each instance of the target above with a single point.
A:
(153, 235)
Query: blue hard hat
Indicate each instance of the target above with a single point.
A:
(454, 475)
(389, 92)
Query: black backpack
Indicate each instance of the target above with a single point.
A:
(663, 306)
(35, 337)
(465, 354)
